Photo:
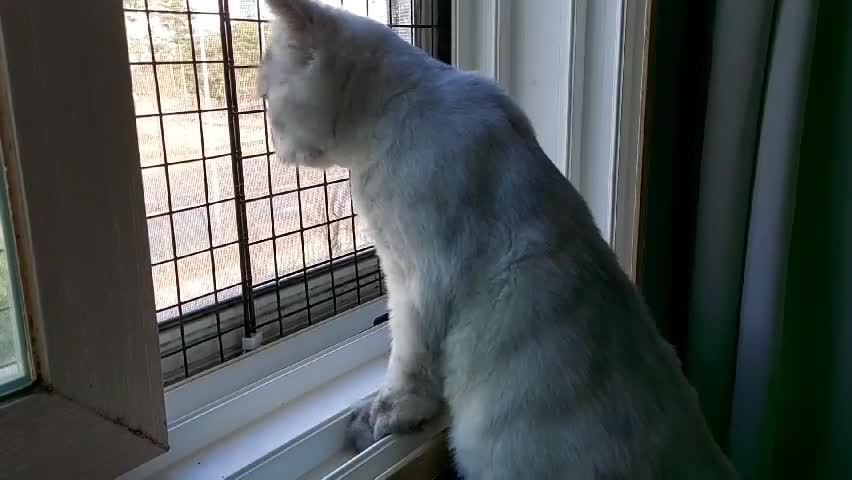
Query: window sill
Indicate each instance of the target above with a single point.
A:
(252, 419)
(291, 441)
(49, 436)
(320, 453)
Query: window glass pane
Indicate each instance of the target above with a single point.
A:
(14, 358)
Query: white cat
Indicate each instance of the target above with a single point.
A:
(507, 306)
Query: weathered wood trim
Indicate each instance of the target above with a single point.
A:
(64, 440)
(69, 143)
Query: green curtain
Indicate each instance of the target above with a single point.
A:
(812, 390)
(746, 254)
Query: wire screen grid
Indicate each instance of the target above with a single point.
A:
(241, 243)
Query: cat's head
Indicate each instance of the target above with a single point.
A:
(315, 76)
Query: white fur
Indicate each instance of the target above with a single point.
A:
(507, 306)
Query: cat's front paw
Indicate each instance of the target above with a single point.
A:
(401, 411)
(390, 411)
(359, 431)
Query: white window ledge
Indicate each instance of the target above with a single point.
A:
(292, 441)
(271, 415)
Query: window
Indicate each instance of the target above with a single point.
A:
(576, 68)
(216, 212)
(14, 354)
(242, 246)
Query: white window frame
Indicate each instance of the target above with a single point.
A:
(280, 411)
(601, 134)
(593, 136)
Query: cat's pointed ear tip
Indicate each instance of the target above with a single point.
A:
(291, 9)
(298, 14)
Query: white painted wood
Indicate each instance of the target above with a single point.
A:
(537, 36)
(388, 455)
(240, 428)
(628, 171)
(324, 448)
(562, 63)
(429, 460)
(524, 47)
(475, 36)
(321, 453)
(268, 431)
(290, 441)
(577, 87)
(329, 466)
(313, 455)
(598, 122)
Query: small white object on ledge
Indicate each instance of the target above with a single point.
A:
(253, 342)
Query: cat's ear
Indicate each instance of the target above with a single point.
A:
(299, 15)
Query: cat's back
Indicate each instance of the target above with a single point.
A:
(552, 368)
(444, 99)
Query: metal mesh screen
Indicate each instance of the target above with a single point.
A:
(241, 243)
